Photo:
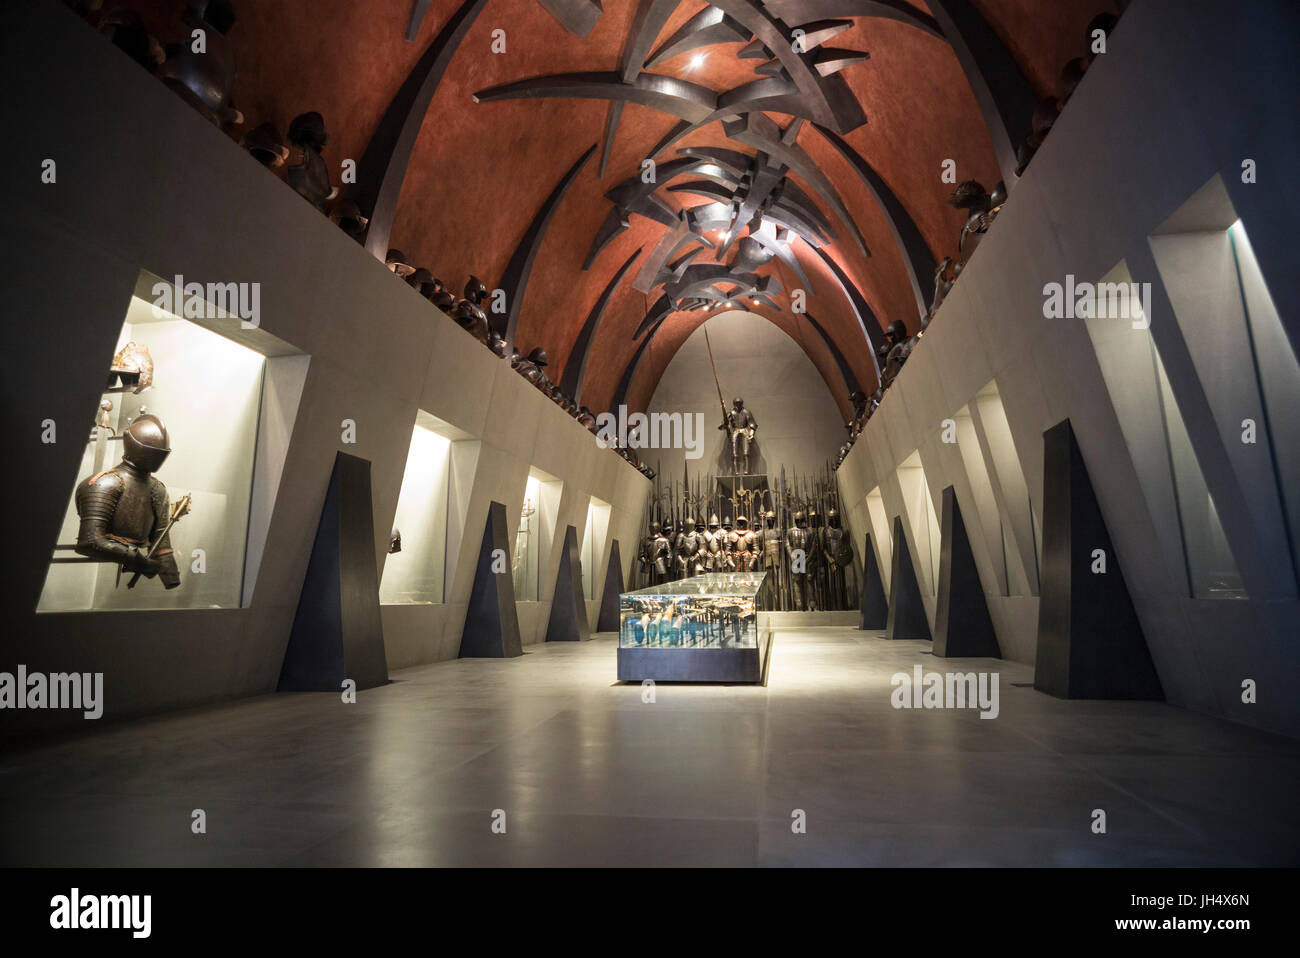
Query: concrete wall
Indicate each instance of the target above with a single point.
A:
(799, 424)
(143, 183)
(1185, 94)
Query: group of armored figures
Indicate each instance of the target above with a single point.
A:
(206, 81)
(808, 562)
(468, 313)
(982, 208)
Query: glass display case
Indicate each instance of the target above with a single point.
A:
(207, 390)
(702, 629)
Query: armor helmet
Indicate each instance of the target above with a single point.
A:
(800, 519)
(396, 261)
(742, 522)
(737, 402)
(654, 528)
(266, 146)
(307, 131)
(134, 366)
(144, 443)
(538, 356)
(443, 300)
(126, 30)
(897, 332)
(688, 524)
(497, 343)
(421, 280)
(348, 217)
(969, 195)
(475, 290)
(713, 521)
(726, 523)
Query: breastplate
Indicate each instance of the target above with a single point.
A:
(133, 518)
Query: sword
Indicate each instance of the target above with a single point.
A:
(180, 507)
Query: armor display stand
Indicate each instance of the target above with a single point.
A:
(568, 621)
(962, 626)
(874, 605)
(492, 622)
(906, 609)
(337, 632)
(608, 618)
(1090, 642)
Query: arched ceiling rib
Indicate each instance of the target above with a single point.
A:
(479, 173)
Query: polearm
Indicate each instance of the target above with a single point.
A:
(179, 508)
(726, 418)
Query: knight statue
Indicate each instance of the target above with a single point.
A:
(740, 427)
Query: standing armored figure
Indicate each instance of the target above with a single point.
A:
(740, 427)
(742, 545)
(715, 544)
(689, 550)
(667, 529)
(655, 555)
(799, 543)
(728, 563)
(837, 552)
(124, 510)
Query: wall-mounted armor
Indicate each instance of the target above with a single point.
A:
(132, 369)
(124, 510)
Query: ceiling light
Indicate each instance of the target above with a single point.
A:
(754, 301)
(697, 61)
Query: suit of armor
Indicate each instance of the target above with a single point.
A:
(836, 549)
(742, 545)
(124, 510)
(715, 545)
(690, 551)
(655, 555)
(740, 427)
(799, 537)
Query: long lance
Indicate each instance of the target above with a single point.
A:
(726, 419)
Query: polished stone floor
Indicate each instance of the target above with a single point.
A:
(586, 773)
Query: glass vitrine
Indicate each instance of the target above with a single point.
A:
(701, 629)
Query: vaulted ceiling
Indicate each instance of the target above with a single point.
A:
(481, 168)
